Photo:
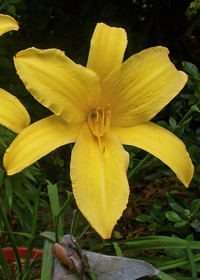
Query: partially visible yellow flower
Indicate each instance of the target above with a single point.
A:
(100, 107)
(7, 23)
(13, 115)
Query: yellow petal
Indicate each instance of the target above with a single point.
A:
(99, 180)
(160, 143)
(37, 140)
(143, 85)
(107, 49)
(13, 115)
(7, 23)
(66, 88)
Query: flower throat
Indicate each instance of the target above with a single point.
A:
(99, 122)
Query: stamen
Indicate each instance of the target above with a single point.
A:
(99, 122)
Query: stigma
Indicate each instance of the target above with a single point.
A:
(99, 122)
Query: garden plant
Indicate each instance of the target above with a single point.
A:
(109, 126)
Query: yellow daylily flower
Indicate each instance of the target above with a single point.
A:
(13, 115)
(100, 107)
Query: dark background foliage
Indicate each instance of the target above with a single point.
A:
(68, 25)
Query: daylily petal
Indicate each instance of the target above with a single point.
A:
(99, 180)
(7, 23)
(66, 88)
(37, 140)
(142, 86)
(162, 144)
(13, 114)
(107, 49)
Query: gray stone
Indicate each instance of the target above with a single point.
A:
(106, 268)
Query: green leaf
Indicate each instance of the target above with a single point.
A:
(162, 217)
(143, 218)
(51, 236)
(164, 124)
(194, 207)
(194, 108)
(176, 203)
(2, 172)
(180, 224)
(195, 224)
(164, 276)
(47, 260)
(116, 234)
(191, 259)
(4, 266)
(18, 211)
(172, 216)
(35, 212)
(11, 10)
(9, 191)
(117, 249)
(11, 236)
(29, 171)
(157, 206)
(190, 237)
(190, 68)
(172, 122)
(179, 129)
(28, 235)
(55, 205)
(152, 226)
(23, 196)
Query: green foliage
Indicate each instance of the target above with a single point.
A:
(176, 215)
(21, 196)
(156, 217)
(184, 215)
(23, 273)
(8, 6)
(191, 94)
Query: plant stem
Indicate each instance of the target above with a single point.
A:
(136, 169)
(192, 109)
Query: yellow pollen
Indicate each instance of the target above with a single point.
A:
(99, 122)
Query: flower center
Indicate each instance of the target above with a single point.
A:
(99, 122)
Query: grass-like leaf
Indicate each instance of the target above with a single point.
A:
(55, 206)
(47, 260)
(4, 266)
